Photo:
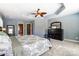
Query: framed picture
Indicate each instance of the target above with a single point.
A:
(10, 30)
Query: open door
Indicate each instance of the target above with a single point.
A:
(29, 29)
(20, 29)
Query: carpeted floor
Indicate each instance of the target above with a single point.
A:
(60, 48)
(63, 48)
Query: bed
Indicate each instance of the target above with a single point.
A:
(5, 45)
(30, 45)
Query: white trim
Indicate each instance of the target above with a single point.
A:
(23, 27)
(71, 40)
(32, 26)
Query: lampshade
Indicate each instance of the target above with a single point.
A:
(3, 29)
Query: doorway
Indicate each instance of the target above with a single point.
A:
(29, 29)
(21, 29)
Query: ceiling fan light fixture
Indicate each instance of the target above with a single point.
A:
(39, 13)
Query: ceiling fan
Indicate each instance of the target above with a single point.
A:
(39, 13)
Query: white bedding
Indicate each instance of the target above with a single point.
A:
(32, 45)
(5, 45)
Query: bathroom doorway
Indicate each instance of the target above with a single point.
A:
(21, 29)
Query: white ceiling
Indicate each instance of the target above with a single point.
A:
(70, 8)
(23, 10)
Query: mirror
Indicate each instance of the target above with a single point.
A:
(56, 25)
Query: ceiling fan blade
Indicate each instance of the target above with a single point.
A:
(36, 15)
(38, 10)
(44, 13)
(33, 13)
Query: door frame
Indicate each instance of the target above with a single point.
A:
(32, 28)
(23, 28)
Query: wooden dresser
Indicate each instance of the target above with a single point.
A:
(55, 32)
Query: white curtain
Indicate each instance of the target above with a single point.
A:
(1, 22)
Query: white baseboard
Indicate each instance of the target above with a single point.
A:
(71, 40)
